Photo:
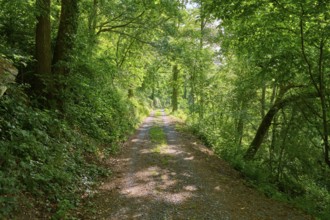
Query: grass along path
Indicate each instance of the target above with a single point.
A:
(165, 174)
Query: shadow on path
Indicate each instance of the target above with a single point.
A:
(180, 180)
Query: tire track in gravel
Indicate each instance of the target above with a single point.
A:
(180, 180)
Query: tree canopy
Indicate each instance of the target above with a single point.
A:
(251, 78)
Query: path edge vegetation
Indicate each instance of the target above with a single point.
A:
(76, 77)
(250, 170)
(52, 161)
(63, 116)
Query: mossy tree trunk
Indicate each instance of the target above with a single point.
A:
(65, 36)
(63, 48)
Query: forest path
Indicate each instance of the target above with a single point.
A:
(179, 180)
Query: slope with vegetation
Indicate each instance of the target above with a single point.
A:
(251, 77)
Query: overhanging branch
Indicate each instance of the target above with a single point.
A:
(134, 37)
(104, 28)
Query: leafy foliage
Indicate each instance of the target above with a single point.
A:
(46, 156)
(251, 79)
(270, 55)
(50, 157)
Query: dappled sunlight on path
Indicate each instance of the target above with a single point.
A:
(178, 180)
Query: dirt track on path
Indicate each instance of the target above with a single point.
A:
(182, 180)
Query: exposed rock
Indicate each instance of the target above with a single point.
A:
(8, 74)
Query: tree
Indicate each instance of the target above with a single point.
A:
(267, 120)
(66, 36)
(175, 84)
(43, 43)
(301, 55)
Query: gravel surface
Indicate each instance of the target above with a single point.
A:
(179, 180)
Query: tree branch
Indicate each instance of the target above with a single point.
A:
(267, 120)
(110, 28)
(134, 37)
(303, 50)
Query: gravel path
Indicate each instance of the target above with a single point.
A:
(180, 180)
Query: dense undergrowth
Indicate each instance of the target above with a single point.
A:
(298, 183)
(84, 78)
(49, 159)
(54, 139)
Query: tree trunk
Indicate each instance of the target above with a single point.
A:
(92, 19)
(267, 120)
(185, 91)
(319, 87)
(43, 45)
(175, 72)
(65, 36)
(324, 107)
(261, 132)
(273, 143)
(274, 129)
(240, 123)
(263, 101)
(201, 64)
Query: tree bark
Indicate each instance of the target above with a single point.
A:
(92, 18)
(267, 121)
(43, 44)
(261, 132)
(65, 36)
(240, 123)
(175, 72)
(263, 101)
(324, 107)
(319, 85)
